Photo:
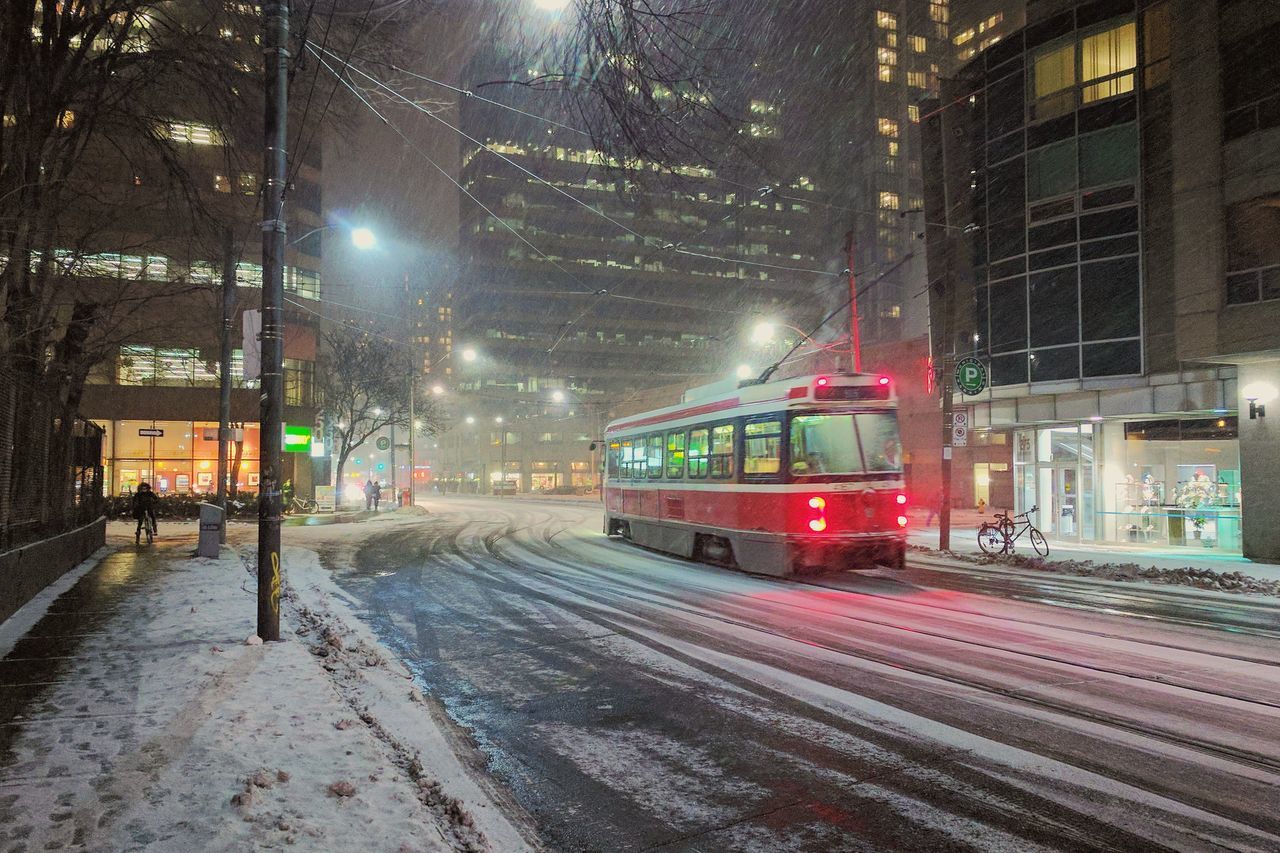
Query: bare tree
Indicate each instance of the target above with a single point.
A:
(115, 112)
(365, 382)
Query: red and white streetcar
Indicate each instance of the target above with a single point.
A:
(779, 478)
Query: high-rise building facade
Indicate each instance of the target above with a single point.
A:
(1107, 178)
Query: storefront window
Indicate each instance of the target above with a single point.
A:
(181, 461)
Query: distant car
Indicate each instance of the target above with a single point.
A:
(505, 489)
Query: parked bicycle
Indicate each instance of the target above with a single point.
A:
(999, 536)
(304, 506)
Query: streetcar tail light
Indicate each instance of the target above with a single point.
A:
(818, 522)
(902, 500)
(884, 380)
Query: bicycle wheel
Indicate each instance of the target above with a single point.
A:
(1037, 542)
(990, 539)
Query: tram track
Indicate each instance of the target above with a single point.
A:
(735, 631)
(1219, 750)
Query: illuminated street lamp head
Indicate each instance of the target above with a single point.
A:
(558, 396)
(745, 371)
(468, 354)
(762, 333)
(470, 419)
(551, 5)
(363, 239)
(498, 419)
(437, 390)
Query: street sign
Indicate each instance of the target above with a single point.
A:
(151, 433)
(971, 376)
(960, 429)
(383, 442)
(297, 439)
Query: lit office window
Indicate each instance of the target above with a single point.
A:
(1109, 58)
(889, 200)
(195, 134)
(887, 127)
(886, 20)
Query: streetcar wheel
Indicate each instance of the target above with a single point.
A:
(991, 539)
(1037, 542)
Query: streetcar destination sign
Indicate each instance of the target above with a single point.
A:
(971, 376)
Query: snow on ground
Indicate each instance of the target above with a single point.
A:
(169, 730)
(1118, 562)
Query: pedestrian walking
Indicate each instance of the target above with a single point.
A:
(935, 507)
(377, 495)
(368, 495)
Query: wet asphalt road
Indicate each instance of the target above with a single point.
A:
(633, 701)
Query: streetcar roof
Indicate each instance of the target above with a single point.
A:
(797, 392)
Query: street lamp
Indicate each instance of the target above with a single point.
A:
(745, 371)
(762, 333)
(469, 354)
(551, 5)
(557, 396)
(437, 390)
(470, 419)
(363, 239)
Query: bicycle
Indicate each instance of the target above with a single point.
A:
(147, 523)
(304, 506)
(998, 537)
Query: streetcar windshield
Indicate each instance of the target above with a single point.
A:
(845, 444)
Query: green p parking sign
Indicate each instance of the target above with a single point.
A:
(971, 376)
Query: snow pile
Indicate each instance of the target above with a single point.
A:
(168, 730)
(1198, 577)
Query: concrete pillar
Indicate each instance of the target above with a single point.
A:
(1198, 225)
(1260, 461)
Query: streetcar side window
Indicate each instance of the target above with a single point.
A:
(615, 451)
(699, 444)
(722, 452)
(654, 460)
(763, 448)
(639, 467)
(675, 455)
(624, 459)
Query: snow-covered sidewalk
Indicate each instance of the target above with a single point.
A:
(139, 714)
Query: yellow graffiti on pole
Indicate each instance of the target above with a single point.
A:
(275, 582)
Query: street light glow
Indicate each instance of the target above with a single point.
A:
(745, 371)
(551, 5)
(498, 419)
(470, 419)
(437, 390)
(468, 354)
(558, 396)
(762, 333)
(363, 239)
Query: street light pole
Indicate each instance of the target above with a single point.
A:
(224, 367)
(274, 235)
(855, 337)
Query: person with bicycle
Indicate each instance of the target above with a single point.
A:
(145, 502)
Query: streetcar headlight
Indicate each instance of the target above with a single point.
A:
(902, 500)
(902, 521)
(884, 380)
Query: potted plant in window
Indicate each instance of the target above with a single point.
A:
(1198, 523)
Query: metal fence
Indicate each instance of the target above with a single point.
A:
(50, 464)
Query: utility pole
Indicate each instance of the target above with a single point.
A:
(855, 336)
(412, 430)
(224, 367)
(275, 136)
(947, 383)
